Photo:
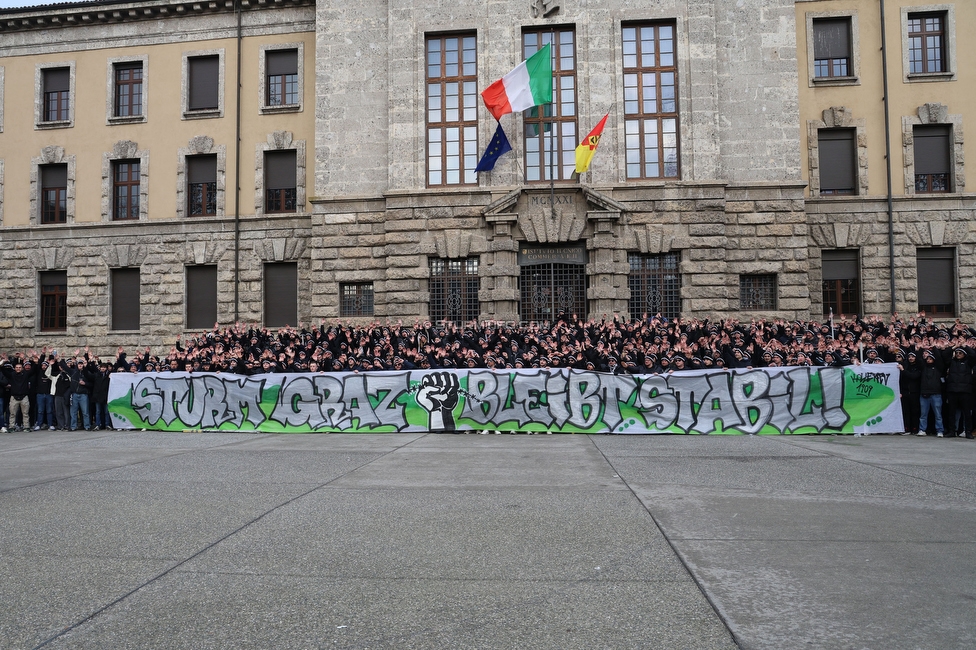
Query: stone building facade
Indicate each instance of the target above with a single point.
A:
(703, 199)
(887, 238)
(735, 209)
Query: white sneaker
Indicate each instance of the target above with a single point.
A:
(37, 428)
(921, 433)
(50, 428)
(939, 435)
(3, 429)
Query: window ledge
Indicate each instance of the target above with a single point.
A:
(132, 119)
(931, 76)
(203, 114)
(60, 124)
(836, 81)
(285, 108)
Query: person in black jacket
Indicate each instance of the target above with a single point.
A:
(20, 389)
(99, 396)
(82, 380)
(910, 386)
(45, 399)
(959, 393)
(930, 385)
(61, 389)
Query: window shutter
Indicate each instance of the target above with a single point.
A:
(204, 74)
(281, 294)
(839, 265)
(125, 299)
(57, 80)
(279, 169)
(201, 169)
(201, 297)
(281, 62)
(935, 276)
(832, 39)
(932, 149)
(837, 159)
(54, 176)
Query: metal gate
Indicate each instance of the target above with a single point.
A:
(547, 290)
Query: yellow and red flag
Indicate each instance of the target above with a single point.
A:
(586, 148)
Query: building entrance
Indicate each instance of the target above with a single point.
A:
(552, 281)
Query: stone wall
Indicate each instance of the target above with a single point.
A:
(161, 251)
(918, 222)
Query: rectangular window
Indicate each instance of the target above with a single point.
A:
(125, 189)
(281, 70)
(128, 89)
(356, 299)
(936, 282)
(281, 294)
(54, 301)
(57, 95)
(125, 299)
(757, 292)
(201, 189)
(926, 43)
(452, 110)
(655, 285)
(841, 284)
(831, 47)
(54, 193)
(280, 188)
(838, 161)
(201, 297)
(650, 100)
(550, 129)
(454, 290)
(932, 146)
(203, 83)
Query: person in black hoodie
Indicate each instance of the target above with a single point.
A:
(45, 399)
(100, 396)
(910, 386)
(20, 389)
(959, 393)
(82, 380)
(930, 387)
(61, 389)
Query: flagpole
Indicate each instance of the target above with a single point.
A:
(552, 167)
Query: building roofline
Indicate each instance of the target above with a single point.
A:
(69, 14)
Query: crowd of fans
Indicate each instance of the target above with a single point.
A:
(37, 385)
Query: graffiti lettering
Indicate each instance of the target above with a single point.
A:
(768, 400)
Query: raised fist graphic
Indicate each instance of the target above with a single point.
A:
(438, 395)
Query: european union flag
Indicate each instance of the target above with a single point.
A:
(498, 145)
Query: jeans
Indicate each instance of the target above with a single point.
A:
(933, 402)
(101, 415)
(45, 410)
(79, 403)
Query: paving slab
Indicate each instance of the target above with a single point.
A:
(272, 611)
(867, 543)
(453, 534)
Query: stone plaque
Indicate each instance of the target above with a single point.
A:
(530, 254)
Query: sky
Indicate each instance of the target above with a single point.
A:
(6, 4)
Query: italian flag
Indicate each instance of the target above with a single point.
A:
(528, 85)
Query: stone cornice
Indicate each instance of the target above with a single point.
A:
(92, 13)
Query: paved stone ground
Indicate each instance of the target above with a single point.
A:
(162, 540)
